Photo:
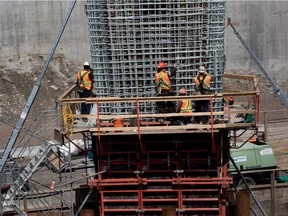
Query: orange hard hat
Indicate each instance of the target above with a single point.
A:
(182, 91)
(162, 65)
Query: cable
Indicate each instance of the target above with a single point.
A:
(68, 119)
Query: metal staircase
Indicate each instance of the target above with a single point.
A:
(23, 177)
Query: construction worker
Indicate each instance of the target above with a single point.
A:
(183, 106)
(163, 88)
(162, 80)
(202, 87)
(85, 86)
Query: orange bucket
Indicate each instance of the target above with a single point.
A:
(118, 122)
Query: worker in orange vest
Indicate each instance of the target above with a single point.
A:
(85, 86)
(163, 88)
(202, 87)
(162, 80)
(183, 106)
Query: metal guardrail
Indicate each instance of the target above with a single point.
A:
(69, 99)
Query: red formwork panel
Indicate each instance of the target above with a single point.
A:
(143, 174)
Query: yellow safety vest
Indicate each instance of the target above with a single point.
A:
(186, 106)
(83, 79)
(162, 81)
(202, 82)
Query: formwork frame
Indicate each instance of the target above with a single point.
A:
(173, 180)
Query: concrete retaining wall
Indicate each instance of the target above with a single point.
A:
(263, 25)
(30, 27)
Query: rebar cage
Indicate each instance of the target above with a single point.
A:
(129, 37)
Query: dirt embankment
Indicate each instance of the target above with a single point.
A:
(17, 77)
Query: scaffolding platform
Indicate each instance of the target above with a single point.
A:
(146, 166)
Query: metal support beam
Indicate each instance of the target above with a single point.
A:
(277, 90)
(84, 201)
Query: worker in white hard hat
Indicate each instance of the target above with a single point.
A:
(183, 106)
(202, 87)
(85, 86)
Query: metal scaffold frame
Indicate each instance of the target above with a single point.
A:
(35, 163)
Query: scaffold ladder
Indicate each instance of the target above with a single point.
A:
(27, 172)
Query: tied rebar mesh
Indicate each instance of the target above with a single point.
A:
(130, 37)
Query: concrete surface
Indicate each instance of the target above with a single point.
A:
(263, 25)
(30, 27)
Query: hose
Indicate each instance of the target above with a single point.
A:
(68, 119)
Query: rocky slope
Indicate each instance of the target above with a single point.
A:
(17, 77)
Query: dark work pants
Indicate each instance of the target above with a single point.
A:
(165, 106)
(85, 108)
(202, 106)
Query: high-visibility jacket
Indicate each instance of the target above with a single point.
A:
(162, 81)
(186, 106)
(202, 82)
(84, 80)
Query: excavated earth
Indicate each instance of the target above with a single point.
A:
(17, 77)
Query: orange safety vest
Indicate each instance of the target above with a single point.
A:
(83, 79)
(162, 81)
(202, 82)
(186, 106)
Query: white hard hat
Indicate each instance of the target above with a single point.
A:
(202, 69)
(86, 64)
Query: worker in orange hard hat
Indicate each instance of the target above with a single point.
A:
(202, 87)
(85, 86)
(183, 106)
(162, 80)
(163, 88)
